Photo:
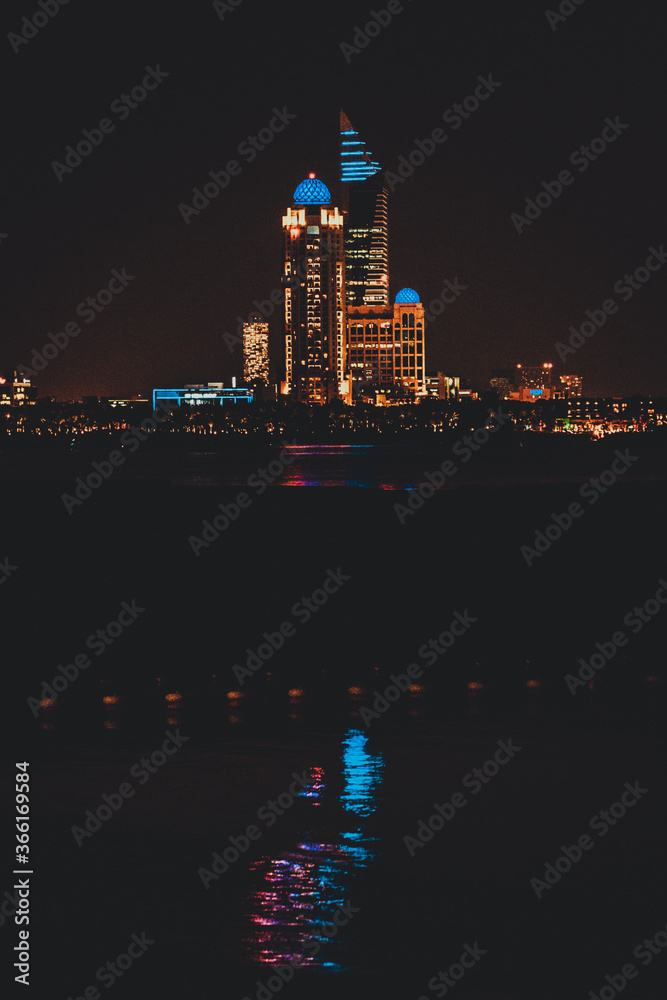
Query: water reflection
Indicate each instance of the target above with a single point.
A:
(362, 772)
(296, 893)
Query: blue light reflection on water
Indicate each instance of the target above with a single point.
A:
(297, 893)
(362, 772)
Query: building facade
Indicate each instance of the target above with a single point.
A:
(387, 346)
(256, 351)
(314, 284)
(365, 202)
(533, 382)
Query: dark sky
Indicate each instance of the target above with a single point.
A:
(120, 207)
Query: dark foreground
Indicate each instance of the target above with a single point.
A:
(366, 782)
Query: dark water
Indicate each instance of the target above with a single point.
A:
(339, 839)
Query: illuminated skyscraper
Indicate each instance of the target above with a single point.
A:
(366, 228)
(314, 281)
(256, 351)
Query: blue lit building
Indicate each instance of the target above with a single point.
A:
(366, 221)
(197, 395)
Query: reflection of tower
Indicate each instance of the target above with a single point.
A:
(297, 892)
(314, 280)
(366, 229)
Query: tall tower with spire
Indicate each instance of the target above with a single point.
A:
(365, 199)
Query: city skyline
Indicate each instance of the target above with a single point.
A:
(451, 215)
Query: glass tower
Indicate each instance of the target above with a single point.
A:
(366, 229)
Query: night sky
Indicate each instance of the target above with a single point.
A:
(451, 220)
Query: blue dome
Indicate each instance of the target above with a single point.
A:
(312, 192)
(407, 295)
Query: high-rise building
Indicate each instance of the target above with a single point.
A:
(503, 380)
(314, 283)
(365, 202)
(256, 350)
(570, 386)
(23, 391)
(534, 382)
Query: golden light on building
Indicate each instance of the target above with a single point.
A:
(314, 282)
(173, 698)
(256, 351)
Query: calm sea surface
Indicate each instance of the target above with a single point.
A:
(274, 839)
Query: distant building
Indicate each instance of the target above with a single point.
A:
(533, 382)
(197, 395)
(23, 392)
(256, 351)
(5, 392)
(443, 386)
(503, 380)
(570, 386)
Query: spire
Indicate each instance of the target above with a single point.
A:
(356, 163)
